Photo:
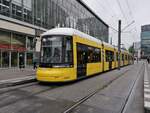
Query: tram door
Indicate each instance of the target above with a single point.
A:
(103, 57)
(110, 65)
(81, 60)
(110, 53)
(122, 59)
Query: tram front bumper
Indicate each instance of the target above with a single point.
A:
(55, 74)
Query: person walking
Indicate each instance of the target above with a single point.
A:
(34, 65)
(21, 62)
(148, 59)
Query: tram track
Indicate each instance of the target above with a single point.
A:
(70, 108)
(82, 100)
(16, 87)
(85, 98)
(24, 97)
(54, 87)
(17, 81)
(131, 91)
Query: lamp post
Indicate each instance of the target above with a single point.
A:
(119, 42)
(119, 39)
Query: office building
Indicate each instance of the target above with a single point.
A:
(22, 22)
(145, 41)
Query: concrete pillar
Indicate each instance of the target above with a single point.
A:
(9, 59)
(25, 59)
(1, 58)
(18, 59)
(25, 53)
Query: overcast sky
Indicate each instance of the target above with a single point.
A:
(111, 11)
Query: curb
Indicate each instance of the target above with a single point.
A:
(16, 81)
(146, 91)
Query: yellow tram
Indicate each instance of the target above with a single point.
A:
(68, 54)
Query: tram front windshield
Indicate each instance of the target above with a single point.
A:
(56, 51)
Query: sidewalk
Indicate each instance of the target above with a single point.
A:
(13, 73)
(13, 76)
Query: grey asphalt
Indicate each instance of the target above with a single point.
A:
(48, 98)
(113, 98)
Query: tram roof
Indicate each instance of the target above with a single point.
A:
(70, 32)
(108, 45)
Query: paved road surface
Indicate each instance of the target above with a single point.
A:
(37, 98)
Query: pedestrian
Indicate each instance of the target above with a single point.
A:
(21, 62)
(148, 59)
(34, 65)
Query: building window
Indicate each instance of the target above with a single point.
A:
(0, 59)
(5, 40)
(18, 42)
(29, 58)
(5, 59)
(14, 59)
(30, 43)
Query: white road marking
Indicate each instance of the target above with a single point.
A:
(147, 90)
(146, 86)
(146, 82)
(147, 104)
(147, 95)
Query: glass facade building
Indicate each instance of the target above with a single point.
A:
(145, 41)
(46, 14)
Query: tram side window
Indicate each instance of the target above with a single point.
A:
(97, 54)
(90, 54)
(126, 57)
(112, 56)
(122, 57)
(94, 54)
(109, 56)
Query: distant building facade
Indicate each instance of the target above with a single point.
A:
(145, 41)
(137, 50)
(22, 22)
